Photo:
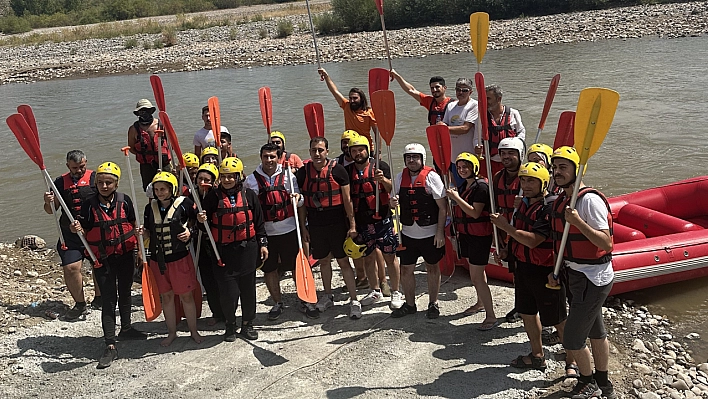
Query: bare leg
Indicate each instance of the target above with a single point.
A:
(408, 283)
(74, 281)
(190, 313)
(360, 269)
(372, 270)
(583, 359)
(484, 295)
(168, 308)
(380, 267)
(326, 272)
(532, 325)
(348, 274)
(394, 271)
(272, 280)
(601, 353)
(478, 304)
(433, 281)
(560, 327)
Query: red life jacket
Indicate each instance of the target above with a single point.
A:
(578, 249)
(416, 204)
(112, 233)
(505, 195)
(320, 189)
(524, 219)
(363, 189)
(285, 159)
(465, 223)
(74, 194)
(232, 222)
(275, 199)
(499, 131)
(435, 116)
(146, 147)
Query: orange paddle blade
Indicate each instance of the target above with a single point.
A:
(447, 263)
(26, 137)
(26, 111)
(158, 92)
(378, 80)
(549, 100)
(172, 137)
(151, 295)
(314, 119)
(215, 119)
(383, 104)
(482, 104)
(439, 143)
(305, 282)
(566, 130)
(266, 102)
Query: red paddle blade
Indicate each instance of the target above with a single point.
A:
(305, 282)
(215, 119)
(383, 104)
(172, 137)
(379, 6)
(151, 295)
(482, 104)
(447, 263)
(439, 142)
(314, 119)
(549, 100)
(378, 80)
(265, 99)
(26, 111)
(565, 135)
(158, 92)
(25, 136)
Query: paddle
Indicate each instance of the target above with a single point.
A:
(158, 92)
(378, 80)
(566, 130)
(29, 142)
(265, 100)
(379, 6)
(314, 119)
(547, 105)
(172, 136)
(593, 118)
(479, 36)
(215, 120)
(314, 37)
(384, 105)
(304, 281)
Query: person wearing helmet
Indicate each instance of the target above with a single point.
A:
(108, 221)
(374, 228)
(327, 218)
(166, 222)
(421, 195)
(541, 153)
(191, 161)
(273, 183)
(436, 103)
(460, 116)
(210, 155)
(345, 157)
(204, 137)
(289, 158)
(502, 122)
(471, 218)
(530, 233)
(506, 181)
(587, 257)
(143, 141)
(75, 187)
(236, 222)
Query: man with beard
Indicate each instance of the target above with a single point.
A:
(435, 103)
(460, 116)
(345, 158)
(75, 187)
(285, 157)
(145, 143)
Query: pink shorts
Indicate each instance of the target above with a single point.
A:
(180, 276)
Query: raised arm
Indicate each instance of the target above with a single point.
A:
(407, 87)
(332, 87)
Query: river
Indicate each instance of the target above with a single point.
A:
(658, 135)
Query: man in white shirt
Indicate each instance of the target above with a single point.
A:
(204, 137)
(461, 116)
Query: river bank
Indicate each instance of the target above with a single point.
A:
(253, 44)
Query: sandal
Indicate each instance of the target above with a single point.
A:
(473, 310)
(537, 363)
(570, 367)
(488, 325)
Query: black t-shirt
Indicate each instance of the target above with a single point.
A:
(188, 212)
(363, 214)
(478, 194)
(330, 215)
(542, 225)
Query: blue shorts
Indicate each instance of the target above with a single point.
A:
(378, 235)
(74, 249)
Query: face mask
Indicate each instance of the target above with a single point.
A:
(145, 119)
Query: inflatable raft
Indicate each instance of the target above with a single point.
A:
(660, 236)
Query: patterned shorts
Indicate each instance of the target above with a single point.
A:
(378, 235)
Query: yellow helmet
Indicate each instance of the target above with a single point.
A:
(534, 169)
(349, 134)
(352, 249)
(169, 178)
(568, 153)
(542, 149)
(278, 134)
(359, 140)
(109, 168)
(209, 151)
(207, 167)
(191, 160)
(231, 165)
(466, 156)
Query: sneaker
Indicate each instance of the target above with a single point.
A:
(362, 284)
(396, 300)
(385, 289)
(433, 311)
(248, 332)
(230, 333)
(586, 390)
(310, 310)
(97, 303)
(371, 298)
(276, 311)
(608, 391)
(512, 316)
(355, 310)
(109, 355)
(130, 333)
(404, 310)
(325, 302)
(78, 312)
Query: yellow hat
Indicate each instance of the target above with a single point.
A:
(108, 168)
(278, 134)
(466, 156)
(191, 160)
(231, 165)
(167, 177)
(208, 151)
(349, 134)
(541, 148)
(207, 167)
(352, 249)
(359, 140)
(533, 169)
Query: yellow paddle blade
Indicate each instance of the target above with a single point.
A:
(479, 34)
(593, 118)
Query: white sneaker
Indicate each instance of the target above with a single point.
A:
(396, 300)
(354, 310)
(325, 302)
(371, 298)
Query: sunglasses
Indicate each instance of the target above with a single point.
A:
(462, 90)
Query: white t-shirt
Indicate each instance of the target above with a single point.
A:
(514, 121)
(592, 209)
(205, 138)
(457, 115)
(283, 226)
(433, 185)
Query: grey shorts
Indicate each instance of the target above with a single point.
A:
(585, 315)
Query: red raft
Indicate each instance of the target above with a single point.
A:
(660, 235)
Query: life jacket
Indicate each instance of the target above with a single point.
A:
(163, 237)
(363, 189)
(416, 204)
(578, 248)
(320, 189)
(437, 116)
(499, 131)
(524, 219)
(285, 159)
(504, 195)
(112, 233)
(146, 147)
(465, 223)
(74, 194)
(275, 199)
(185, 191)
(232, 223)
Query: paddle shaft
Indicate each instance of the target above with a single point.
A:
(184, 175)
(376, 154)
(492, 202)
(550, 95)
(395, 213)
(388, 52)
(206, 222)
(458, 249)
(135, 204)
(56, 215)
(314, 36)
(566, 228)
(301, 254)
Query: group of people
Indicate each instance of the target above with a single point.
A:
(342, 206)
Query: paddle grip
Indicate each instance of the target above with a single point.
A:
(566, 228)
(206, 222)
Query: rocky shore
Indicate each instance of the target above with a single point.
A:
(253, 44)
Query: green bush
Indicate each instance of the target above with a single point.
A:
(169, 37)
(263, 33)
(131, 43)
(328, 24)
(357, 15)
(12, 24)
(284, 29)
